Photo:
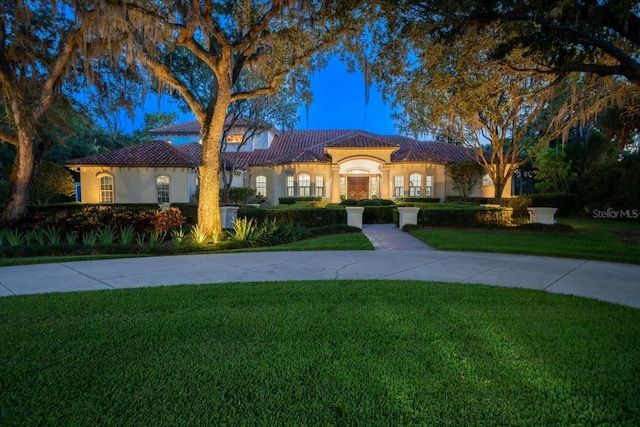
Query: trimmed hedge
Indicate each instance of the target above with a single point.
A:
(565, 203)
(293, 200)
(418, 200)
(349, 202)
(378, 214)
(189, 210)
(308, 217)
(481, 218)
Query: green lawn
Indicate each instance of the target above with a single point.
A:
(318, 353)
(592, 239)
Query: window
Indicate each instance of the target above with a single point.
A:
(290, 192)
(415, 183)
(106, 189)
(261, 185)
(304, 185)
(320, 186)
(398, 183)
(429, 188)
(235, 138)
(373, 186)
(162, 188)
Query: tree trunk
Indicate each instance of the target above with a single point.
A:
(21, 176)
(499, 185)
(209, 196)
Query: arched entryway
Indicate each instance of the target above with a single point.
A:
(360, 179)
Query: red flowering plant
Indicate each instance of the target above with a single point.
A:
(161, 221)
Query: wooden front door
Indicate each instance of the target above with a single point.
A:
(358, 187)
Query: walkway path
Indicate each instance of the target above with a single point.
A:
(618, 283)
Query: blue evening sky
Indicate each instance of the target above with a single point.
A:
(338, 103)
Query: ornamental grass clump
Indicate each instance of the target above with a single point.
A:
(53, 236)
(90, 238)
(127, 234)
(71, 238)
(33, 237)
(197, 235)
(178, 236)
(15, 237)
(247, 232)
(106, 235)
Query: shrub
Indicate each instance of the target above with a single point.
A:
(333, 229)
(566, 203)
(481, 218)
(189, 210)
(240, 195)
(378, 214)
(319, 204)
(369, 202)
(308, 217)
(418, 200)
(349, 202)
(293, 200)
(386, 202)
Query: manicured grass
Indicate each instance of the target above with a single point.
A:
(592, 239)
(318, 353)
(332, 242)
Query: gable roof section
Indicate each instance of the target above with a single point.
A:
(193, 127)
(152, 153)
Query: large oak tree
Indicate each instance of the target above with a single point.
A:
(268, 38)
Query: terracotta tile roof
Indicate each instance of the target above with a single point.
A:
(193, 127)
(359, 139)
(150, 153)
(287, 147)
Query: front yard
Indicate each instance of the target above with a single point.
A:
(318, 353)
(594, 239)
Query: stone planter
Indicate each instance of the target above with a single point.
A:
(354, 216)
(542, 215)
(228, 214)
(407, 216)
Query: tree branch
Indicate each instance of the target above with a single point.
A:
(8, 138)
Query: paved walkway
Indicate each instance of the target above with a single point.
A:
(398, 256)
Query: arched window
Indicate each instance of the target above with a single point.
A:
(304, 185)
(106, 189)
(261, 185)
(163, 185)
(415, 184)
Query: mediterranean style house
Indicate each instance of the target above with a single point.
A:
(330, 164)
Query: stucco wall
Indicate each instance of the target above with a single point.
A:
(136, 184)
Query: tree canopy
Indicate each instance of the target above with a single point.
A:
(559, 36)
(215, 44)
